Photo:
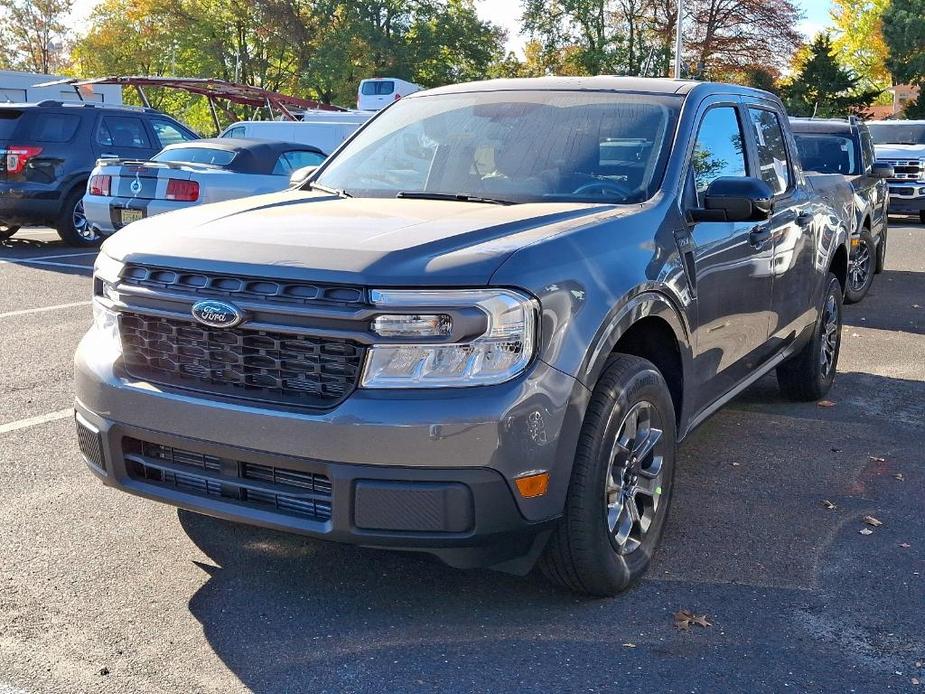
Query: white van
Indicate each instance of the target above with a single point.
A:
(378, 92)
(325, 130)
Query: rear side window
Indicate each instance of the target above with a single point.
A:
(167, 133)
(718, 151)
(54, 127)
(827, 153)
(122, 131)
(379, 88)
(237, 131)
(290, 161)
(196, 155)
(773, 164)
(9, 119)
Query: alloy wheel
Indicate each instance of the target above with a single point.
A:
(830, 329)
(861, 265)
(81, 225)
(632, 486)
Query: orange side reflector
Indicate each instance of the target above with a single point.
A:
(855, 243)
(531, 486)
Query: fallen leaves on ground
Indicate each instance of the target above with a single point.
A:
(866, 531)
(683, 619)
(825, 403)
(875, 459)
(629, 645)
(870, 520)
(905, 545)
(899, 476)
(829, 505)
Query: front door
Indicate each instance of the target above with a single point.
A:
(731, 265)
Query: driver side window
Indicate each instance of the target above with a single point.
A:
(718, 150)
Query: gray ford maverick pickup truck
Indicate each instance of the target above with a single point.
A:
(479, 330)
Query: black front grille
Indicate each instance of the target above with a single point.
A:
(272, 367)
(253, 288)
(903, 191)
(287, 491)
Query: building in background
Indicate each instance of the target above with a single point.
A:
(17, 87)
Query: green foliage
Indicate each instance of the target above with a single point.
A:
(822, 87)
(858, 40)
(904, 33)
(915, 110)
(33, 34)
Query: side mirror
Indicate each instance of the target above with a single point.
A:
(298, 177)
(735, 199)
(882, 170)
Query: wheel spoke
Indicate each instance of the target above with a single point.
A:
(643, 448)
(624, 525)
(653, 470)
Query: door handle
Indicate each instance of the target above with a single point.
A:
(759, 236)
(804, 219)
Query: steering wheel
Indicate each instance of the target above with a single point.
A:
(603, 187)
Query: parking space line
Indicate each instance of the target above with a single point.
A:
(41, 309)
(44, 258)
(35, 421)
(50, 263)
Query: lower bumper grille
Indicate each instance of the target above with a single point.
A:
(91, 444)
(280, 368)
(286, 491)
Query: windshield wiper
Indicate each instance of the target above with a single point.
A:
(458, 197)
(330, 191)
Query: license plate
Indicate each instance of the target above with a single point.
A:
(129, 216)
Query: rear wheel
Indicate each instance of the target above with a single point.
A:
(621, 483)
(861, 267)
(809, 374)
(72, 225)
(7, 230)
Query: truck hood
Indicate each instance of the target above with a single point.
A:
(900, 151)
(352, 240)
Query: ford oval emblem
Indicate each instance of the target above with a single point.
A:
(217, 314)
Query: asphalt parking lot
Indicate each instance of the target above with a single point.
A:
(100, 591)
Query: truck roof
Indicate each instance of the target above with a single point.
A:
(822, 125)
(650, 85)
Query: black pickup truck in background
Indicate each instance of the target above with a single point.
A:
(844, 146)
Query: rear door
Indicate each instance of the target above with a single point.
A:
(123, 136)
(791, 224)
(732, 260)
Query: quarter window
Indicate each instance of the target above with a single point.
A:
(167, 133)
(772, 150)
(718, 150)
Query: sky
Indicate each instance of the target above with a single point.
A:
(507, 14)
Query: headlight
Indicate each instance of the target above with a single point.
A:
(499, 354)
(106, 268)
(106, 324)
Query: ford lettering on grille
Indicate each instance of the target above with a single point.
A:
(217, 314)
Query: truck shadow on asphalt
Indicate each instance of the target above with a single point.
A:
(747, 515)
(889, 304)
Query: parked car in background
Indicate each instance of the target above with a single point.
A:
(901, 143)
(325, 130)
(47, 151)
(376, 93)
(192, 173)
(472, 345)
(839, 146)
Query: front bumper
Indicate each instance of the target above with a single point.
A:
(907, 198)
(424, 471)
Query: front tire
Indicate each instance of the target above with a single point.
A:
(809, 374)
(7, 231)
(861, 267)
(621, 483)
(72, 225)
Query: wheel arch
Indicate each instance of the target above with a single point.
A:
(839, 266)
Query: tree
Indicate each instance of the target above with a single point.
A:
(915, 110)
(859, 43)
(904, 34)
(821, 87)
(34, 34)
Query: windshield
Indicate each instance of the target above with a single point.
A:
(196, 155)
(898, 134)
(827, 153)
(516, 146)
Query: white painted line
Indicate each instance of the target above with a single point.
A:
(41, 309)
(35, 421)
(89, 268)
(43, 258)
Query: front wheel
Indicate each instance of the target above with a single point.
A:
(7, 230)
(621, 483)
(809, 374)
(861, 267)
(72, 225)
(881, 251)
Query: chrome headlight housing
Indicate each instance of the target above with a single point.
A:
(106, 272)
(498, 354)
